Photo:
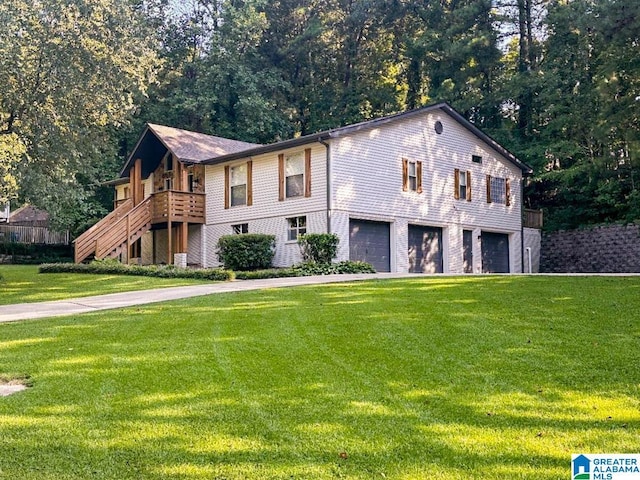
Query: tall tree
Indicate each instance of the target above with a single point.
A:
(69, 69)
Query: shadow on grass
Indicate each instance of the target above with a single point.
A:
(407, 379)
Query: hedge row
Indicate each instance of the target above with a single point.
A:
(308, 268)
(216, 274)
(116, 268)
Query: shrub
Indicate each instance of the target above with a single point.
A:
(111, 267)
(249, 251)
(310, 268)
(318, 247)
(27, 253)
(269, 273)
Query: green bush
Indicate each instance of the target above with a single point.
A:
(269, 273)
(311, 268)
(110, 267)
(249, 251)
(27, 253)
(318, 247)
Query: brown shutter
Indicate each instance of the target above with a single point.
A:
(226, 186)
(488, 188)
(419, 175)
(468, 186)
(250, 183)
(281, 177)
(405, 174)
(307, 172)
(456, 183)
(507, 187)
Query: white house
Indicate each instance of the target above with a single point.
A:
(420, 191)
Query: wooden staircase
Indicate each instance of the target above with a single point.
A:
(116, 232)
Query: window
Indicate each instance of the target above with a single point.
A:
(498, 190)
(462, 185)
(411, 176)
(168, 183)
(239, 185)
(297, 226)
(294, 173)
(476, 158)
(191, 181)
(168, 163)
(240, 228)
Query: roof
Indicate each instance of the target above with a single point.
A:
(29, 215)
(187, 146)
(342, 131)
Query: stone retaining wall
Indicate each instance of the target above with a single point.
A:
(606, 249)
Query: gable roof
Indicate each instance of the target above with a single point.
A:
(187, 146)
(342, 131)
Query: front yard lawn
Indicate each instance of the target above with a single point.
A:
(23, 284)
(439, 378)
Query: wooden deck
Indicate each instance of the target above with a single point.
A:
(126, 224)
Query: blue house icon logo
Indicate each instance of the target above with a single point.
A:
(581, 468)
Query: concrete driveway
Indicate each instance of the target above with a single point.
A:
(26, 311)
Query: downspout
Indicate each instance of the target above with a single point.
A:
(522, 223)
(328, 174)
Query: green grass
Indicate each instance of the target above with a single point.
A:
(439, 378)
(21, 284)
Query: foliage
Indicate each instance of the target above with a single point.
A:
(318, 247)
(267, 273)
(24, 253)
(69, 72)
(352, 381)
(251, 251)
(307, 269)
(347, 266)
(158, 271)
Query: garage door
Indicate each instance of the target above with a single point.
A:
(425, 249)
(495, 252)
(370, 242)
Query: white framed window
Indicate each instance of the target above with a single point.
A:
(462, 179)
(238, 185)
(168, 183)
(240, 228)
(498, 190)
(296, 226)
(462, 185)
(294, 175)
(411, 176)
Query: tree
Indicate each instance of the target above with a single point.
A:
(69, 70)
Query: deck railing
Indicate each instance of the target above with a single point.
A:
(532, 218)
(178, 207)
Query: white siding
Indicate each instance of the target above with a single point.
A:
(366, 169)
(194, 247)
(267, 214)
(532, 240)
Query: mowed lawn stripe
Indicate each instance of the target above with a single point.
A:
(471, 377)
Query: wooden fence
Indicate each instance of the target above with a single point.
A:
(36, 235)
(532, 218)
